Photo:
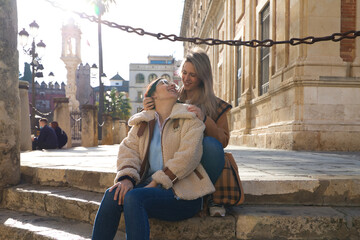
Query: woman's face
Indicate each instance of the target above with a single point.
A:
(165, 90)
(189, 77)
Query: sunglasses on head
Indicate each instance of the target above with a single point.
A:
(162, 81)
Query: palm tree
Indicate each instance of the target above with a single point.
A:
(101, 6)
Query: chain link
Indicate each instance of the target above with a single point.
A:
(41, 113)
(335, 37)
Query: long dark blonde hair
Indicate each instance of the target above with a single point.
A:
(204, 96)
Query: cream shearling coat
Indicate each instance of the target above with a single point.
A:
(181, 150)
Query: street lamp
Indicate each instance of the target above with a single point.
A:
(35, 52)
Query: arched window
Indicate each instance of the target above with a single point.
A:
(140, 78)
(152, 76)
(166, 76)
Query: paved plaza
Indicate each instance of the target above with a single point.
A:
(254, 164)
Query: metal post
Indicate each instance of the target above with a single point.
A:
(101, 85)
(33, 92)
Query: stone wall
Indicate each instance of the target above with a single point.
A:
(9, 96)
(312, 101)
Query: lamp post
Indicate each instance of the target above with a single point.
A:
(102, 77)
(35, 52)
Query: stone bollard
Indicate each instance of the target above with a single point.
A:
(107, 130)
(123, 130)
(62, 116)
(25, 130)
(9, 96)
(89, 137)
(116, 130)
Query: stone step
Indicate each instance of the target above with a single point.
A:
(64, 202)
(21, 225)
(80, 205)
(331, 191)
(245, 222)
(297, 222)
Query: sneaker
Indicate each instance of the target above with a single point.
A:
(217, 211)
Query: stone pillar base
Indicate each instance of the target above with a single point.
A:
(107, 131)
(25, 131)
(62, 116)
(89, 137)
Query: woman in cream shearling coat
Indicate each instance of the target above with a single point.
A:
(159, 174)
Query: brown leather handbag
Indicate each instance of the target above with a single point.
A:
(228, 187)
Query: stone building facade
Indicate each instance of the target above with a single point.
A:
(141, 74)
(303, 97)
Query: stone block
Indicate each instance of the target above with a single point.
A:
(330, 95)
(265, 222)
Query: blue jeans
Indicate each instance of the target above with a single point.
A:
(140, 204)
(213, 159)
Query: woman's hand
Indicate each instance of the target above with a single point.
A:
(152, 184)
(148, 103)
(122, 188)
(197, 111)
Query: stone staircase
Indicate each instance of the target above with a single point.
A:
(60, 203)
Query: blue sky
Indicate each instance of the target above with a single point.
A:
(119, 48)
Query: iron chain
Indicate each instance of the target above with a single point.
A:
(212, 41)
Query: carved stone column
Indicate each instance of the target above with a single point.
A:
(25, 131)
(9, 97)
(62, 116)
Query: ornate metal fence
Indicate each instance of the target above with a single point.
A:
(75, 125)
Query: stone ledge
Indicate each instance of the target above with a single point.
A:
(334, 191)
(82, 179)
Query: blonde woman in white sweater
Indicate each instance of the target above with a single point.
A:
(159, 174)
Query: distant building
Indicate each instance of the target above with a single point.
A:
(141, 74)
(84, 91)
(117, 82)
(44, 93)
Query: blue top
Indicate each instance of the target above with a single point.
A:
(155, 152)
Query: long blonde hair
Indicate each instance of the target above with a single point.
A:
(204, 96)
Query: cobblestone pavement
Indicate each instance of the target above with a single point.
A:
(253, 163)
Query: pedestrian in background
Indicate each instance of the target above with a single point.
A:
(197, 90)
(47, 138)
(61, 134)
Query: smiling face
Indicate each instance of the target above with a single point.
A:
(165, 90)
(189, 77)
